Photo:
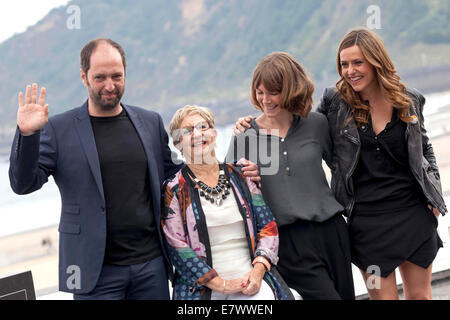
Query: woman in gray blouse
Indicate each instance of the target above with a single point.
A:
(289, 142)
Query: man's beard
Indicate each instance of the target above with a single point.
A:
(105, 105)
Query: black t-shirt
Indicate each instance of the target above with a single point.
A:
(383, 179)
(131, 233)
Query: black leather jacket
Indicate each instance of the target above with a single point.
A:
(347, 145)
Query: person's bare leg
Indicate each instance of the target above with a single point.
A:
(384, 289)
(416, 281)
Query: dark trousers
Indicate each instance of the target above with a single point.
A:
(315, 259)
(144, 281)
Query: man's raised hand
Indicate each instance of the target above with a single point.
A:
(33, 114)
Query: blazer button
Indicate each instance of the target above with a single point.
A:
(103, 208)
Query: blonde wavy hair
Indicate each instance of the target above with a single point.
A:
(374, 51)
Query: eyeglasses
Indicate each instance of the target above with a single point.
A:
(202, 126)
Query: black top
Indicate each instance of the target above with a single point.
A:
(382, 178)
(131, 236)
(293, 181)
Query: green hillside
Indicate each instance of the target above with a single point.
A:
(204, 51)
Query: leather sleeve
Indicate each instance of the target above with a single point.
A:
(325, 102)
(427, 147)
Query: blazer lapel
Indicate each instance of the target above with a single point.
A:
(86, 134)
(147, 139)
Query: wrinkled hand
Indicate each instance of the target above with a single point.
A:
(33, 114)
(253, 279)
(241, 124)
(250, 169)
(434, 210)
(231, 286)
(234, 286)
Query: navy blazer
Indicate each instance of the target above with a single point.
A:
(65, 148)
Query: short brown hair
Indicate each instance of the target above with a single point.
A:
(89, 48)
(280, 72)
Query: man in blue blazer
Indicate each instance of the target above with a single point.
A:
(109, 161)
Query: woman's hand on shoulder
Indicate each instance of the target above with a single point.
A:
(250, 169)
(241, 124)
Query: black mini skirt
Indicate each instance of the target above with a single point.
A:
(387, 238)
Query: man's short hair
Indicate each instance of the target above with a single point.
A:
(89, 48)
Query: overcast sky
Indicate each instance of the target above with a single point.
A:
(17, 15)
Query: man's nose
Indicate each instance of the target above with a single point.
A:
(109, 85)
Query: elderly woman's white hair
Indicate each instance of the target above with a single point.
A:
(188, 110)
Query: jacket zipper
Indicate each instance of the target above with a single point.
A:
(349, 208)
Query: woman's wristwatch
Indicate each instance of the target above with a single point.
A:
(265, 262)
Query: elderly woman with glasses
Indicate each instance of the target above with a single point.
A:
(221, 237)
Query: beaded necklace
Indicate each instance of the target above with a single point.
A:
(213, 194)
